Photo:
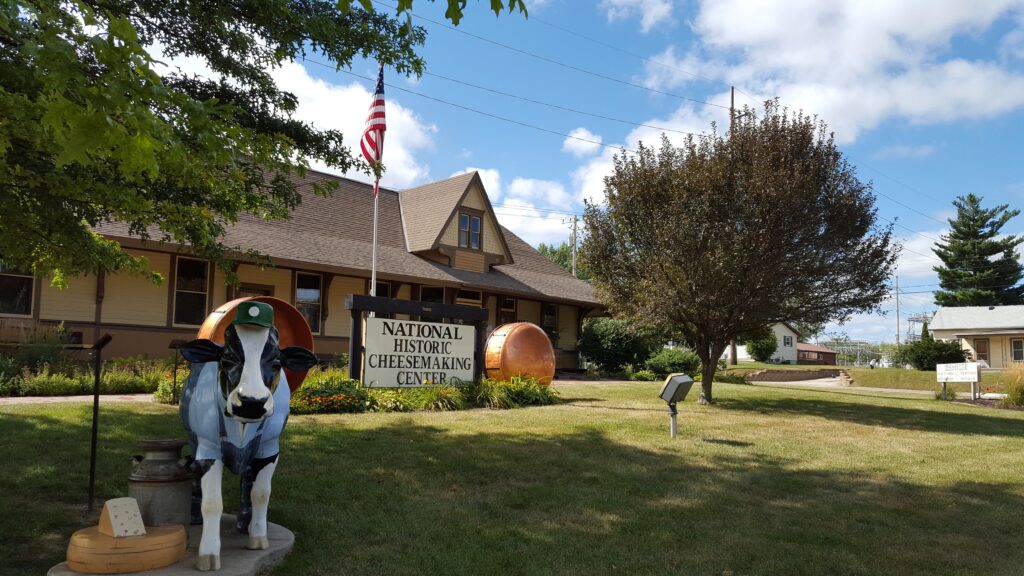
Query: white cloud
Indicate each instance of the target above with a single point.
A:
(342, 107)
(857, 65)
(906, 151)
(581, 142)
(491, 179)
(917, 259)
(651, 12)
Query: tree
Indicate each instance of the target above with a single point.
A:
(761, 344)
(806, 331)
(612, 343)
(562, 255)
(731, 233)
(91, 132)
(979, 268)
(925, 354)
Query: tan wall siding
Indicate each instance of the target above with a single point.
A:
(528, 311)
(279, 278)
(567, 327)
(491, 238)
(474, 199)
(339, 321)
(470, 260)
(135, 300)
(220, 291)
(491, 303)
(451, 233)
(76, 302)
(404, 293)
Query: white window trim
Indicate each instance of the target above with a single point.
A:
(1021, 340)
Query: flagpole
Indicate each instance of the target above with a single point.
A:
(373, 260)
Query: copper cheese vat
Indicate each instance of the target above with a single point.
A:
(292, 328)
(520, 348)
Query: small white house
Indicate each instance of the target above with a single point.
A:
(992, 334)
(785, 348)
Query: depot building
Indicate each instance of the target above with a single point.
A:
(439, 242)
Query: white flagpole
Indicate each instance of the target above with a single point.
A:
(373, 260)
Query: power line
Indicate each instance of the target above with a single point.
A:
(481, 112)
(553, 61)
(556, 106)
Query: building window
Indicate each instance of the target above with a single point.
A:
(549, 321)
(16, 290)
(981, 350)
(469, 231)
(787, 341)
(190, 291)
(507, 310)
(433, 294)
(469, 298)
(309, 298)
(1017, 350)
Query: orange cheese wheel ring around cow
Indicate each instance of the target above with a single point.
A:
(520, 348)
(292, 328)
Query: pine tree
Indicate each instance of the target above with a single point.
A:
(980, 268)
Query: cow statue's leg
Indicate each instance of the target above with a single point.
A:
(263, 470)
(213, 507)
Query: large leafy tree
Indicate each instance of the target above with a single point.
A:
(93, 130)
(562, 255)
(980, 268)
(733, 232)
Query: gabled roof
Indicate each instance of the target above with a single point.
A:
(334, 233)
(427, 209)
(978, 318)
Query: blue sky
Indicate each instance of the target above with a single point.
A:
(925, 97)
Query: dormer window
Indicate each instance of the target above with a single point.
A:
(469, 231)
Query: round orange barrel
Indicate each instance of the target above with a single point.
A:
(292, 328)
(520, 348)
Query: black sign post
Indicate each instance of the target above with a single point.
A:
(358, 304)
(97, 354)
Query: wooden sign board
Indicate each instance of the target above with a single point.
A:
(408, 354)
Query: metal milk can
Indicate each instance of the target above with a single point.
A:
(161, 482)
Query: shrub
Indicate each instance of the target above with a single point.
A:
(43, 346)
(488, 393)
(1015, 386)
(526, 391)
(46, 383)
(130, 381)
(612, 344)
(671, 360)
(646, 376)
(9, 367)
(925, 354)
(389, 400)
(761, 345)
(439, 398)
(328, 392)
(165, 391)
(10, 385)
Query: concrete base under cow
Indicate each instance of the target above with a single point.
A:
(235, 559)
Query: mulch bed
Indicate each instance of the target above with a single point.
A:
(989, 403)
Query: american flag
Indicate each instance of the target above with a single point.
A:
(373, 135)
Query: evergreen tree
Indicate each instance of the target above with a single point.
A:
(980, 268)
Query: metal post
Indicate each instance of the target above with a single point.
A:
(673, 427)
(97, 357)
(174, 382)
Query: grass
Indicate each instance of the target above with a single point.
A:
(768, 481)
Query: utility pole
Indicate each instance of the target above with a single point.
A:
(732, 106)
(575, 220)
(897, 310)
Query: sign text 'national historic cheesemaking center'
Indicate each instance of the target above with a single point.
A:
(404, 353)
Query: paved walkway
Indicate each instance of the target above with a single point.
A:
(838, 385)
(104, 399)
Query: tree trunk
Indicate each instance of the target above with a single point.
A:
(707, 378)
(733, 360)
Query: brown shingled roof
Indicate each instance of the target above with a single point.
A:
(334, 233)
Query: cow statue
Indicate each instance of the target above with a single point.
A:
(234, 406)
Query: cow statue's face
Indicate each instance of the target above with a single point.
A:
(250, 367)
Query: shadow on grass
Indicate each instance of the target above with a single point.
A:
(409, 498)
(909, 418)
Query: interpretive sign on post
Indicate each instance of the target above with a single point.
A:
(405, 354)
(961, 372)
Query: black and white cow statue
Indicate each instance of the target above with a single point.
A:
(234, 407)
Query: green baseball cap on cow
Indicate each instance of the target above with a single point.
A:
(258, 313)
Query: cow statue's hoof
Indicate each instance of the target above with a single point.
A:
(207, 562)
(258, 543)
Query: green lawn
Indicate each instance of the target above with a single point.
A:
(768, 481)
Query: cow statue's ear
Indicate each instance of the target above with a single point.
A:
(202, 350)
(297, 358)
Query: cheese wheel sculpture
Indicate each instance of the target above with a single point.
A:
(292, 328)
(521, 348)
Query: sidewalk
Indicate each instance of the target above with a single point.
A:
(104, 399)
